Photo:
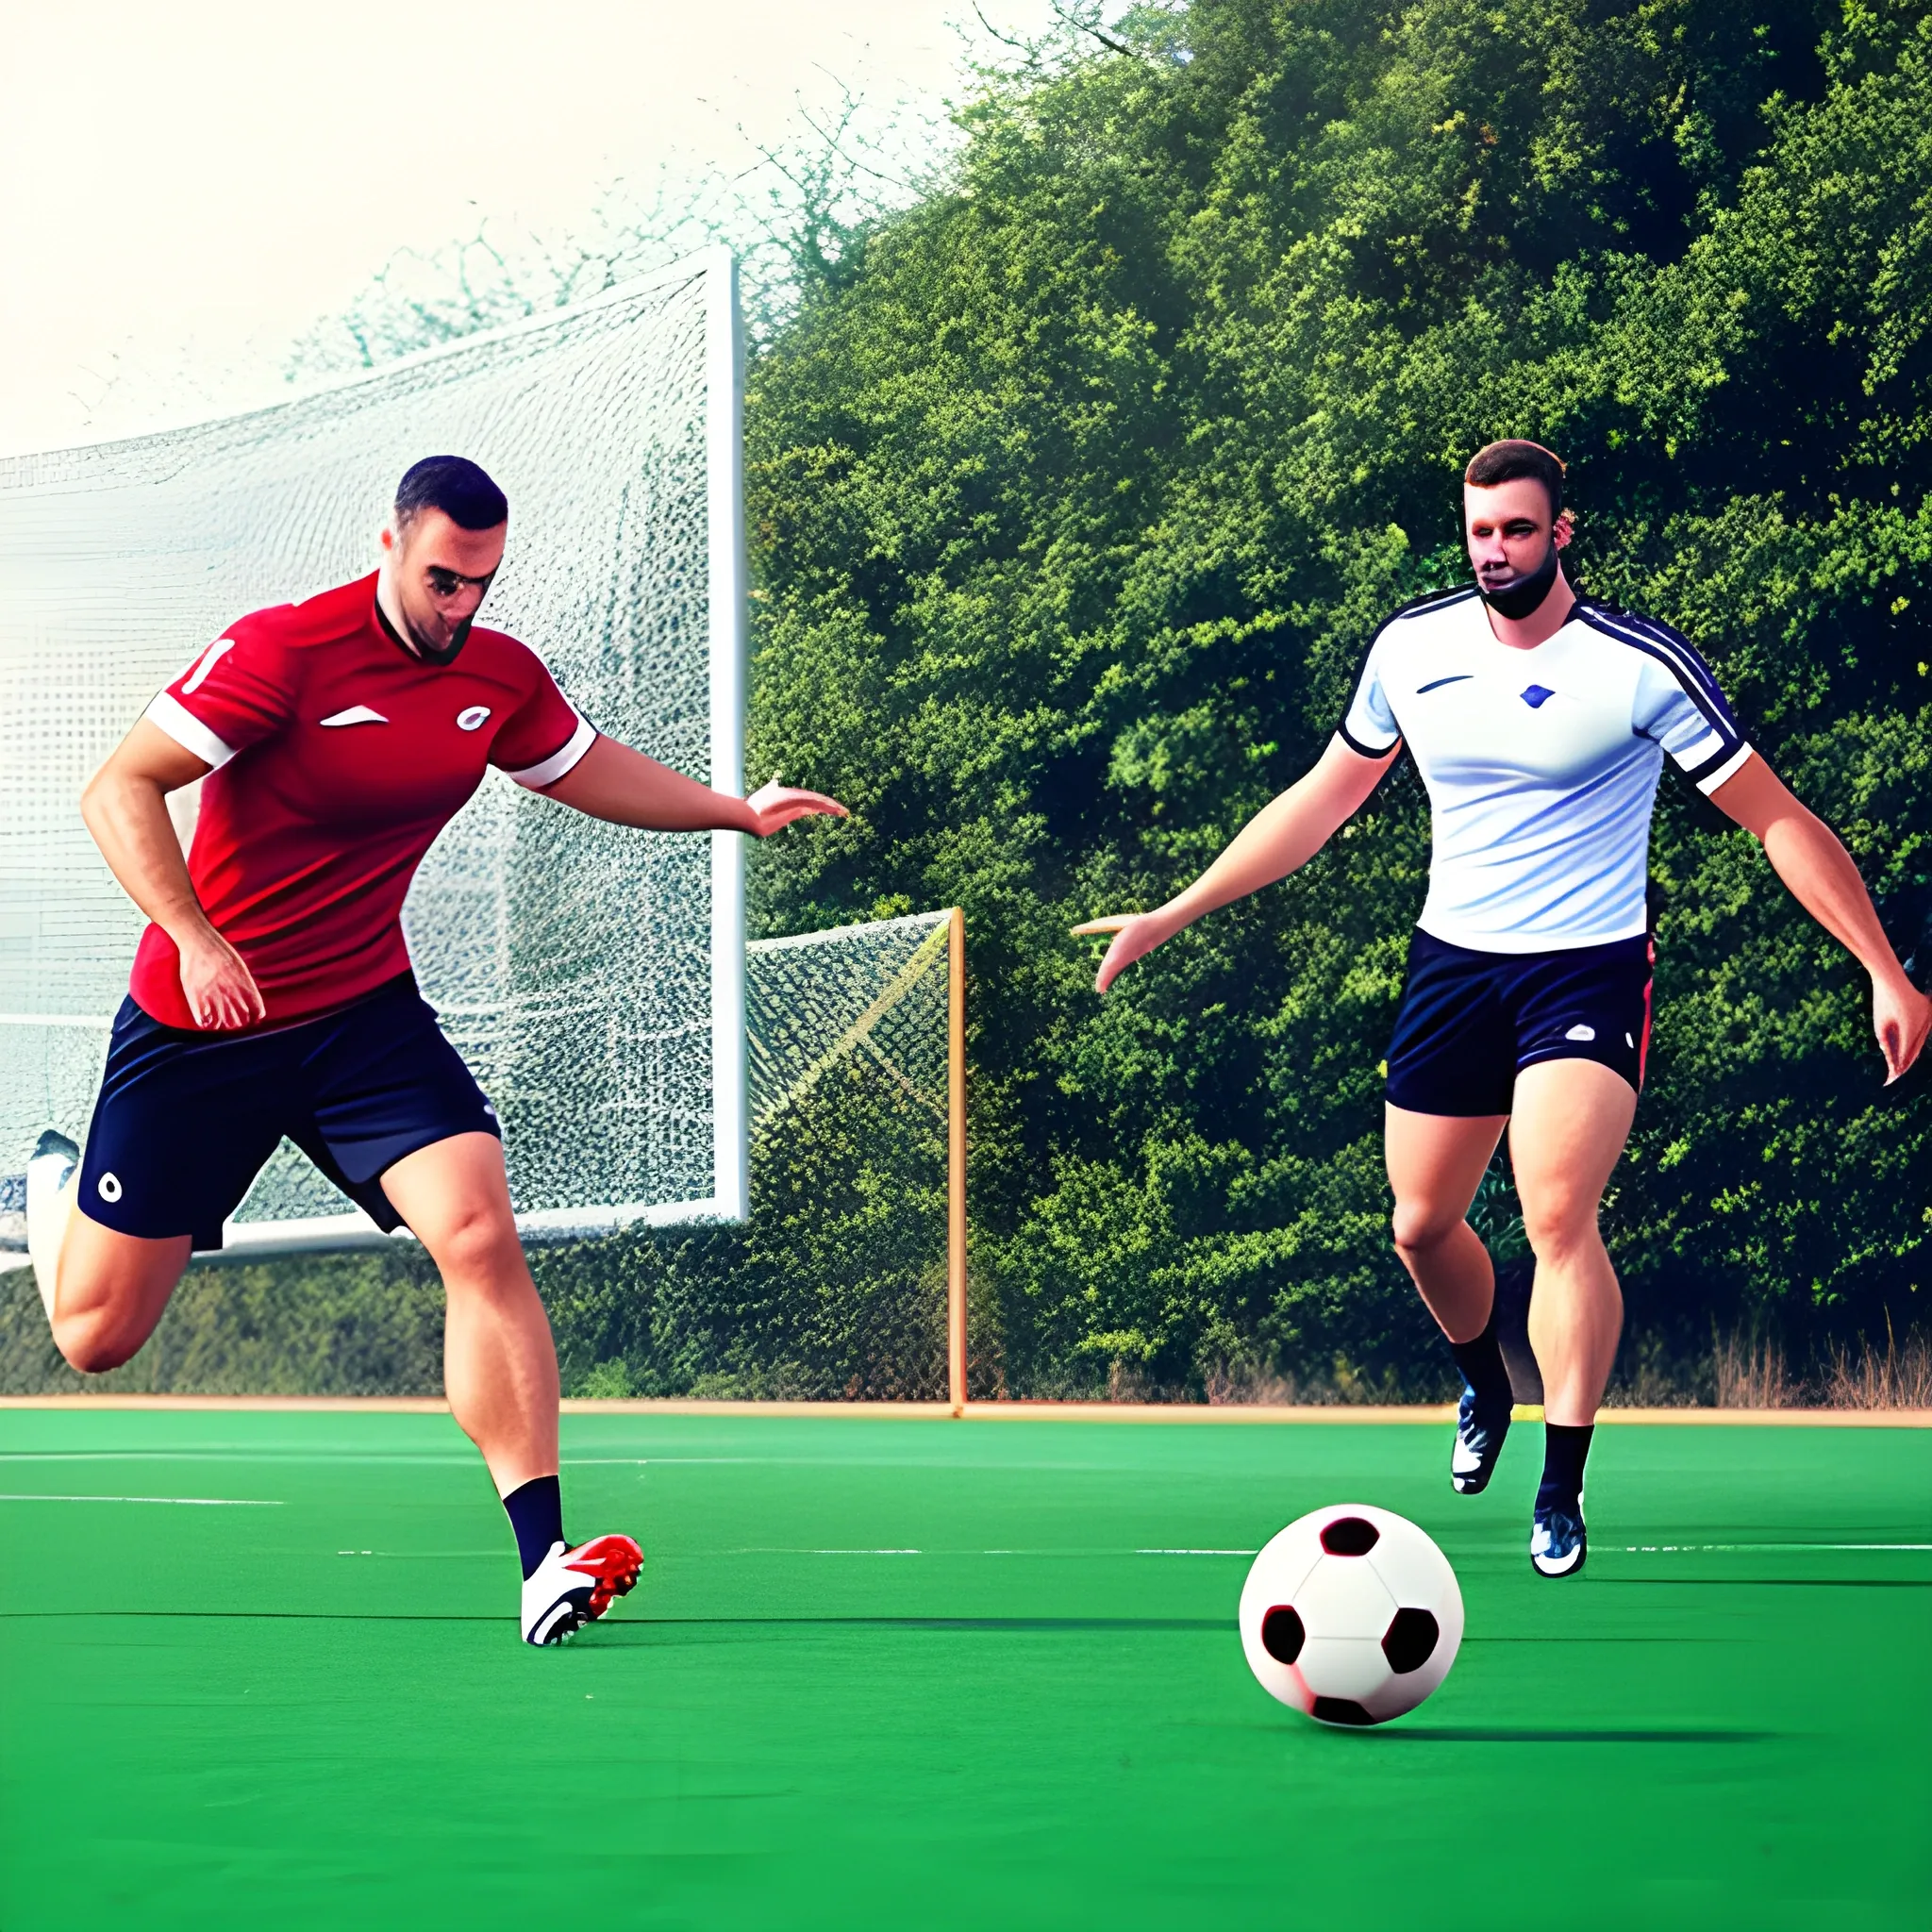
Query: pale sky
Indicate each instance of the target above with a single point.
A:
(186, 187)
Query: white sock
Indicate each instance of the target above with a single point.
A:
(51, 1183)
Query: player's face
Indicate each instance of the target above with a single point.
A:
(440, 572)
(1509, 530)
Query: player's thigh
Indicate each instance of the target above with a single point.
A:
(181, 1126)
(1436, 1163)
(112, 1289)
(1571, 1121)
(455, 1197)
(380, 1084)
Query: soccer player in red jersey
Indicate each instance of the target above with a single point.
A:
(271, 992)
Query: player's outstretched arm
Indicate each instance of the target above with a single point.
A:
(125, 808)
(611, 781)
(1282, 837)
(1807, 856)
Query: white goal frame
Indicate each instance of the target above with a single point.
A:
(726, 621)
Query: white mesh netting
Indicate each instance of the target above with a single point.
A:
(866, 998)
(850, 1096)
(572, 961)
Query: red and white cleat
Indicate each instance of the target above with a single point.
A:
(572, 1588)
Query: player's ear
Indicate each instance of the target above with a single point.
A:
(388, 538)
(1562, 530)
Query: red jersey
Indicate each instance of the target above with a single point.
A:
(338, 756)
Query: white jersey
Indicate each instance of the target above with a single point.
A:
(1541, 765)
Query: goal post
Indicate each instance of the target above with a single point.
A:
(651, 1069)
(726, 592)
(593, 975)
(956, 1160)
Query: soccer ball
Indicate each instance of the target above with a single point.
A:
(1352, 1615)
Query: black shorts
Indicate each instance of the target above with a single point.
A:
(186, 1121)
(1471, 1021)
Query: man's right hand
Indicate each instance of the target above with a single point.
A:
(1135, 935)
(221, 991)
(1902, 1020)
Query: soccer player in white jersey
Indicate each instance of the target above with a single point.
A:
(1540, 721)
(273, 992)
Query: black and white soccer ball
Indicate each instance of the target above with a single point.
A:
(1352, 1615)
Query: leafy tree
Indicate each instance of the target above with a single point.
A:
(1079, 489)
(1083, 468)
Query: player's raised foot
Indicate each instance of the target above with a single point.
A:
(1480, 1427)
(48, 1169)
(1558, 1543)
(572, 1588)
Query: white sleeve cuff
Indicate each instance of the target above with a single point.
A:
(188, 731)
(553, 767)
(1729, 769)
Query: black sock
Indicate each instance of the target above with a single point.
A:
(1564, 1450)
(535, 1513)
(1480, 1358)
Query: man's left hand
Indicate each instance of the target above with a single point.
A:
(774, 806)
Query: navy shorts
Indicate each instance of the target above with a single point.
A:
(186, 1121)
(1471, 1021)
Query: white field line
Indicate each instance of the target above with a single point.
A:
(1057, 1555)
(184, 1502)
(326, 1457)
(1689, 1549)
(1487, 1549)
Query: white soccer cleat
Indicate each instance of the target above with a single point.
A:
(54, 1162)
(572, 1588)
(1558, 1542)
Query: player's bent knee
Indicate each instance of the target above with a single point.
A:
(92, 1346)
(1561, 1229)
(1421, 1224)
(477, 1247)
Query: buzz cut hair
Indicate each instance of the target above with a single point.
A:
(455, 486)
(1505, 461)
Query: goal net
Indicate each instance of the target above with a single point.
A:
(853, 1263)
(847, 1279)
(593, 975)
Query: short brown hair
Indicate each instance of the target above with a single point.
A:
(1504, 463)
(457, 487)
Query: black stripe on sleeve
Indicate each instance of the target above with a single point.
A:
(1698, 773)
(1355, 689)
(1701, 690)
(1434, 600)
(1354, 743)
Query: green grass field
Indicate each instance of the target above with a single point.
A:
(915, 1674)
